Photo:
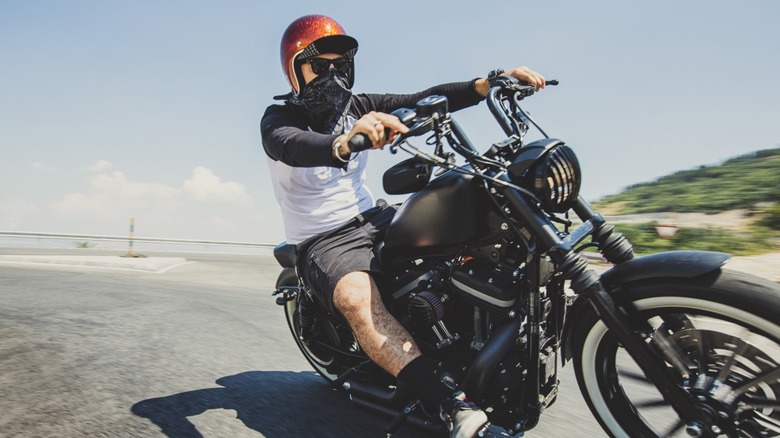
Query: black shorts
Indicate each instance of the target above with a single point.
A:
(326, 258)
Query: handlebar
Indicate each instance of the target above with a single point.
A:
(361, 142)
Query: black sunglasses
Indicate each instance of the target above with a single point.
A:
(322, 65)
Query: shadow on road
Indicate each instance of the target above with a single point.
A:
(274, 403)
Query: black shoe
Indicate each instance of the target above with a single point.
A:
(465, 420)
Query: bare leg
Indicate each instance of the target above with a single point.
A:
(380, 335)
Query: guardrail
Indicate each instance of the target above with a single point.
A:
(594, 257)
(103, 238)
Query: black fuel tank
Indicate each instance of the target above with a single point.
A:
(449, 212)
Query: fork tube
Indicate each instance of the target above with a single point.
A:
(535, 219)
(583, 210)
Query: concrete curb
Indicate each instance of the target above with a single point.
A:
(148, 264)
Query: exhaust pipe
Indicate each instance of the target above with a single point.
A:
(389, 403)
(489, 357)
(392, 398)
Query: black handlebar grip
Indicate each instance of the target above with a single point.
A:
(551, 82)
(359, 142)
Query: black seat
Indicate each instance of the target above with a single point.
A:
(286, 254)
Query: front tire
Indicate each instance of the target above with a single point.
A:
(724, 327)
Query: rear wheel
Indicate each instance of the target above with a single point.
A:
(318, 343)
(725, 337)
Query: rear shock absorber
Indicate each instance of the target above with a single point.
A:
(305, 315)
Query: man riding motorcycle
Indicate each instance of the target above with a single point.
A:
(329, 213)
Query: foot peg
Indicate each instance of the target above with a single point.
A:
(400, 419)
(347, 374)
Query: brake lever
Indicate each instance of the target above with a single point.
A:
(394, 145)
(511, 83)
(415, 130)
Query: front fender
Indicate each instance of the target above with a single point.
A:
(672, 264)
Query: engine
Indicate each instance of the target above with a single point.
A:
(493, 287)
(456, 299)
(454, 308)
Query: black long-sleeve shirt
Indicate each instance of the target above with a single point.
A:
(287, 138)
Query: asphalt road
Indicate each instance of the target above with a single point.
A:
(197, 350)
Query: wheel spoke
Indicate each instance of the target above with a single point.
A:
(634, 376)
(742, 347)
(672, 352)
(761, 402)
(767, 377)
(699, 357)
(652, 404)
(676, 427)
(767, 422)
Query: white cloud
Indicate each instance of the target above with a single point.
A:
(41, 166)
(118, 186)
(100, 166)
(12, 213)
(202, 206)
(204, 186)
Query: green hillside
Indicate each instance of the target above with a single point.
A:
(738, 183)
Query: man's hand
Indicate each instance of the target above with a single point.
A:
(527, 75)
(522, 73)
(381, 128)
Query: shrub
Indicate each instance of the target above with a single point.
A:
(771, 217)
(645, 240)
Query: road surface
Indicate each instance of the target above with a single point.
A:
(184, 345)
(195, 349)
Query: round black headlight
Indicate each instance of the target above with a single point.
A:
(557, 178)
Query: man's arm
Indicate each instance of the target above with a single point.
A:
(459, 95)
(287, 139)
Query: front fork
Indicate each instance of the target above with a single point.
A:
(623, 320)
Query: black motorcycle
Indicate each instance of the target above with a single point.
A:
(484, 268)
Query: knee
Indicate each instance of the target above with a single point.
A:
(352, 295)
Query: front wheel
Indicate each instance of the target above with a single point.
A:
(721, 336)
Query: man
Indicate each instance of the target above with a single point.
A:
(328, 211)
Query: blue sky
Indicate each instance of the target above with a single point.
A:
(151, 109)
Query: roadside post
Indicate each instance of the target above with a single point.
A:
(130, 240)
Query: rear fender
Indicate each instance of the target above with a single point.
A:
(672, 264)
(287, 278)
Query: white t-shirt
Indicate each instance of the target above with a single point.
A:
(314, 200)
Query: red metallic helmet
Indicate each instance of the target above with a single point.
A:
(309, 36)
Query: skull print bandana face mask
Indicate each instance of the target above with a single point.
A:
(325, 100)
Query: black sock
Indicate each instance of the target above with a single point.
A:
(421, 377)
